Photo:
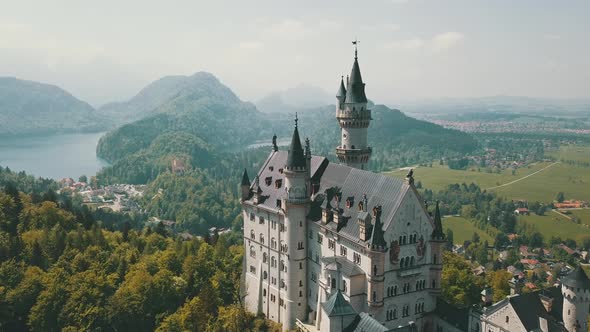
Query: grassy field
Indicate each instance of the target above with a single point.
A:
(543, 186)
(582, 215)
(571, 152)
(553, 224)
(463, 230)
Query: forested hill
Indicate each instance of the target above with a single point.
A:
(30, 108)
(205, 121)
(148, 101)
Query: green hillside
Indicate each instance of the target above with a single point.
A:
(32, 108)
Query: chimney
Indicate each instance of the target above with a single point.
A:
(487, 296)
(515, 285)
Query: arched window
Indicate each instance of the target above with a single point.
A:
(507, 319)
(252, 252)
(261, 238)
(412, 261)
(374, 269)
(333, 283)
(252, 235)
(264, 275)
(264, 257)
(273, 243)
(264, 292)
(374, 296)
(273, 262)
(395, 290)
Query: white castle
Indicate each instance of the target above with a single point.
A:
(334, 247)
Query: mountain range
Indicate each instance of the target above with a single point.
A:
(32, 108)
(302, 96)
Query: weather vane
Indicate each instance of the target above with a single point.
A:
(355, 43)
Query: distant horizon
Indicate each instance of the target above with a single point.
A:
(409, 49)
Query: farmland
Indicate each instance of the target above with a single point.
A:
(553, 224)
(463, 230)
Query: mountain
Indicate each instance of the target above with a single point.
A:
(203, 122)
(31, 108)
(148, 101)
(293, 99)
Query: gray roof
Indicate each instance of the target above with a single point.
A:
(342, 90)
(355, 92)
(245, 179)
(577, 278)
(338, 306)
(343, 265)
(363, 322)
(380, 189)
(437, 233)
(296, 157)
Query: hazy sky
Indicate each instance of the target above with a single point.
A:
(107, 50)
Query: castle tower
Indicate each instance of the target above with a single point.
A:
(437, 244)
(296, 204)
(576, 300)
(354, 119)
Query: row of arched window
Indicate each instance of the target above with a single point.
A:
(407, 262)
(403, 239)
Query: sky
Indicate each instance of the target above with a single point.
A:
(104, 51)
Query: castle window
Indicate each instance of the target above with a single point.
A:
(261, 238)
(273, 243)
(268, 180)
(360, 205)
(434, 259)
(299, 245)
(281, 170)
(374, 269)
(252, 235)
(344, 285)
(264, 292)
(300, 294)
(507, 319)
(314, 276)
(300, 283)
(374, 298)
(343, 250)
(279, 203)
(394, 313)
(333, 284)
(349, 202)
(331, 244)
(264, 275)
(273, 224)
(264, 257)
(395, 290)
(300, 266)
(278, 183)
(320, 238)
(261, 220)
(357, 258)
(273, 262)
(252, 269)
(252, 252)
(252, 216)
(271, 168)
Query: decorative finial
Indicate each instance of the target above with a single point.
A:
(355, 42)
(274, 143)
(296, 119)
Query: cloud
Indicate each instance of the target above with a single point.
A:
(444, 41)
(288, 28)
(552, 36)
(404, 45)
(250, 45)
(384, 27)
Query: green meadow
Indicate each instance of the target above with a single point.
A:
(463, 230)
(553, 224)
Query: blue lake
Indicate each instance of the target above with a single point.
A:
(56, 156)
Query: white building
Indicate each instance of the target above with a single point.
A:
(337, 247)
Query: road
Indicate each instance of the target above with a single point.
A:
(524, 177)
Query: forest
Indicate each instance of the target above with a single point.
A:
(61, 269)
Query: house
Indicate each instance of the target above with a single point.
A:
(522, 211)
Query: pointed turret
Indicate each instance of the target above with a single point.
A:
(245, 186)
(577, 279)
(296, 157)
(437, 232)
(341, 95)
(355, 92)
(377, 238)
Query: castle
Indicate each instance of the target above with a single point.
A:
(334, 247)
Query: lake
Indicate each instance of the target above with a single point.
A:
(56, 156)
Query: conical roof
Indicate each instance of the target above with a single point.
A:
(577, 279)
(377, 238)
(338, 306)
(245, 179)
(356, 88)
(296, 157)
(342, 90)
(437, 233)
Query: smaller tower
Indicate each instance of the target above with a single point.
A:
(437, 244)
(296, 204)
(576, 300)
(354, 119)
(245, 186)
(377, 247)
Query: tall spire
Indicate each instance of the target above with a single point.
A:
(356, 88)
(377, 238)
(245, 179)
(437, 232)
(341, 91)
(296, 157)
